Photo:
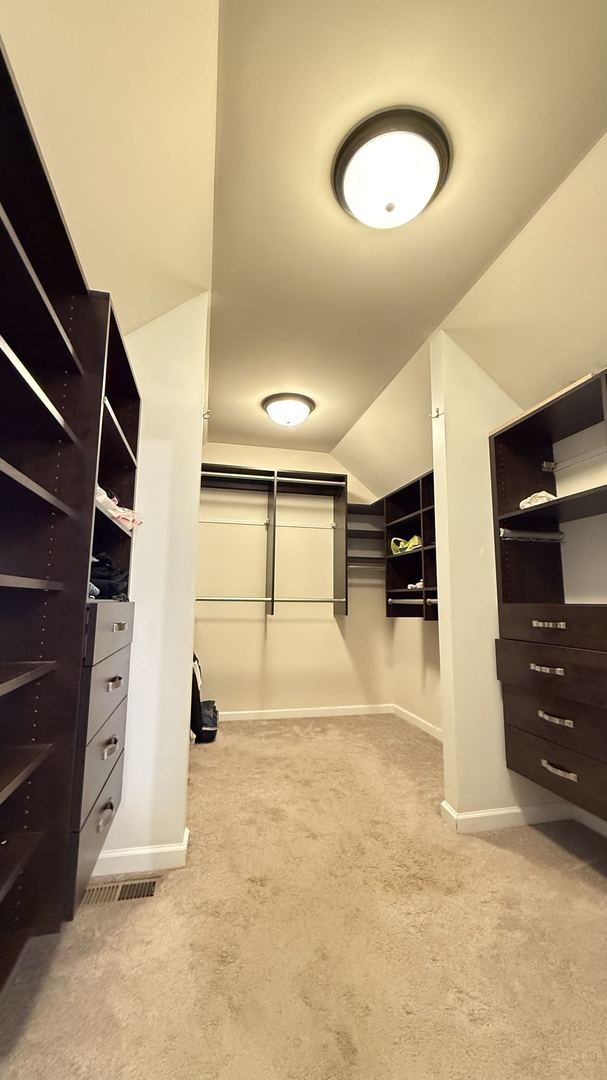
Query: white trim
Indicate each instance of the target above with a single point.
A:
(588, 819)
(418, 722)
(301, 714)
(504, 817)
(143, 860)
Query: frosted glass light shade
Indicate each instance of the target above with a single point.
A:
(390, 179)
(289, 410)
(391, 166)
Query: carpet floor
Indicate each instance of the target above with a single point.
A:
(329, 926)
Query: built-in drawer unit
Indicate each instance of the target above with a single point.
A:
(88, 842)
(577, 674)
(577, 626)
(576, 777)
(96, 763)
(109, 627)
(572, 724)
(103, 687)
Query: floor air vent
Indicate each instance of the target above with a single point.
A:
(112, 892)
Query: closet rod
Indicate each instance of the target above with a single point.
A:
(420, 601)
(310, 600)
(270, 479)
(310, 483)
(238, 476)
(235, 599)
(432, 601)
(223, 521)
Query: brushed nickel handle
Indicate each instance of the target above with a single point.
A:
(115, 683)
(563, 773)
(560, 721)
(543, 670)
(540, 624)
(118, 626)
(106, 816)
(110, 747)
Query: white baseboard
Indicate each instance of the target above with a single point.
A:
(587, 819)
(417, 721)
(143, 860)
(504, 817)
(302, 714)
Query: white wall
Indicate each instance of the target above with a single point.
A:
(479, 789)
(169, 358)
(301, 658)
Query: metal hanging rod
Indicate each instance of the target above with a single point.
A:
(418, 602)
(224, 521)
(310, 483)
(235, 599)
(328, 528)
(432, 601)
(269, 479)
(578, 459)
(310, 600)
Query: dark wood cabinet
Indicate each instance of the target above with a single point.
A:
(409, 513)
(69, 413)
(552, 651)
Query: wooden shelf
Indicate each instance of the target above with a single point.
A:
(15, 674)
(114, 444)
(17, 763)
(365, 534)
(15, 853)
(407, 592)
(9, 472)
(403, 554)
(28, 319)
(405, 517)
(549, 515)
(106, 516)
(26, 407)
(374, 510)
(13, 581)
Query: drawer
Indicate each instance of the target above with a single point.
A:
(576, 674)
(86, 844)
(572, 724)
(579, 626)
(580, 779)
(94, 765)
(103, 688)
(109, 627)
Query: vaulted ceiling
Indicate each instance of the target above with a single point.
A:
(304, 297)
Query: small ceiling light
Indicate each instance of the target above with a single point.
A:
(390, 166)
(288, 409)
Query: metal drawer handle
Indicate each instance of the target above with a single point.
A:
(110, 747)
(560, 721)
(564, 775)
(539, 624)
(547, 670)
(106, 816)
(115, 683)
(117, 626)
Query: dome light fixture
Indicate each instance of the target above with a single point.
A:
(390, 166)
(290, 410)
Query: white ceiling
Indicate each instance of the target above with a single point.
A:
(122, 97)
(305, 298)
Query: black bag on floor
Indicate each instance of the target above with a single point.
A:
(204, 716)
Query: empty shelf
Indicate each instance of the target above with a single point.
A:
(115, 451)
(17, 763)
(15, 852)
(29, 321)
(16, 674)
(9, 472)
(568, 508)
(13, 581)
(365, 534)
(26, 407)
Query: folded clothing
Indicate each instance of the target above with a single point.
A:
(110, 581)
(123, 514)
(416, 585)
(536, 499)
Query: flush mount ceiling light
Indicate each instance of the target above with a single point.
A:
(288, 409)
(390, 166)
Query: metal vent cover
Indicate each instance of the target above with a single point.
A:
(112, 892)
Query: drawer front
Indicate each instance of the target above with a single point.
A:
(579, 779)
(91, 838)
(579, 626)
(108, 683)
(577, 674)
(100, 756)
(109, 628)
(571, 724)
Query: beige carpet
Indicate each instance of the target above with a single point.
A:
(329, 926)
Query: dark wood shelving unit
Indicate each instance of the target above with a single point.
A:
(60, 355)
(365, 545)
(552, 653)
(13, 675)
(409, 512)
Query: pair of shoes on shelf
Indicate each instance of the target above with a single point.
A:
(398, 546)
(416, 585)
